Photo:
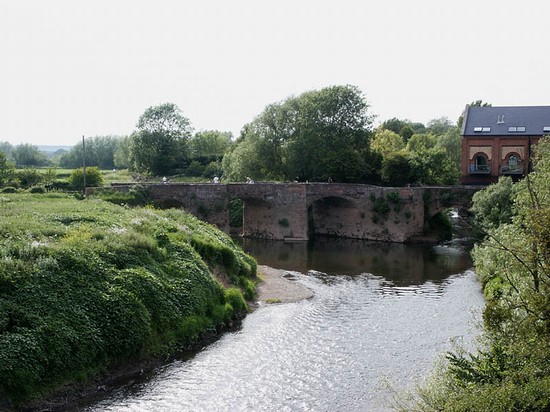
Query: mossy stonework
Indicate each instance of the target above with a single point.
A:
(299, 210)
(89, 285)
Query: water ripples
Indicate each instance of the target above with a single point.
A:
(331, 352)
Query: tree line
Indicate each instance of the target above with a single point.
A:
(319, 135)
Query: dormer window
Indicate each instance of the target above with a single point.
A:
(480, 129)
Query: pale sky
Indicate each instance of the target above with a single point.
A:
(70, 68)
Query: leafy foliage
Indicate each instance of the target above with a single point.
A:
(332, 126)
(7, 170)
(28, 177)
(28, 155)
(160, 144)
(492, 207)
(93, 178)
(85, 285)
(429, 156)
(100, 152)
(511, 371)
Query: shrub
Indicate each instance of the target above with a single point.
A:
(37, 189)
(381, 207)
(94, 178)
(234, 297)
(195, 169)
(29, 177)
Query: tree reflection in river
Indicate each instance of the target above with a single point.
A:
(401, 264)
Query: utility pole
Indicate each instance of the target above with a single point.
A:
(84, 166)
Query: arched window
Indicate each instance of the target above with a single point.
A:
(482, 164)
(481, 160)
(512, 165)
(513, 162)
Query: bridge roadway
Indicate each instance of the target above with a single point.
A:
(294, 211)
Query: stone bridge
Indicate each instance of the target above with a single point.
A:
(295, 211)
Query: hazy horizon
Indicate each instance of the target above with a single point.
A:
(92, 67)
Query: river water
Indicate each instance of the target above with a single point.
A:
(381, 316)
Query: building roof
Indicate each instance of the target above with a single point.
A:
(506, 121)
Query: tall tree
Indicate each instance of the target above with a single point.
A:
(451, 141)
(386, 142)
(26, 155)
(6, 148)
(159, 146)
(209, 144)
(394, 124)
(7, 170)
(122, 153)
(319, 134)
(100, 152)
(439, 126)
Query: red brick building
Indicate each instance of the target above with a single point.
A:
(498, 141)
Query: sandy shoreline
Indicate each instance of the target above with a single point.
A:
(276, 288)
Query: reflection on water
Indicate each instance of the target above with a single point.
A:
(399, 263)
(380, 313)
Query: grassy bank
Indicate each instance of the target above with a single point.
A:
(86, 285)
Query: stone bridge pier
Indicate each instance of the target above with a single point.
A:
(280, 212)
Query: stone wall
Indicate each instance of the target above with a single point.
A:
(295, 211)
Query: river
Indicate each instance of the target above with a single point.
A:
(381, 316)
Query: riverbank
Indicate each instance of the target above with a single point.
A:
(279, 286)
(88, 287)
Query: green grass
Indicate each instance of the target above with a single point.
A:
(86, 285)
(125, 176)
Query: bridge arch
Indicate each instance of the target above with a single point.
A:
(286, 210)
(271, 210)
(439, 199)
(254, 212)
(331, 215)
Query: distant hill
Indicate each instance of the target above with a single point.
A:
(52, 149)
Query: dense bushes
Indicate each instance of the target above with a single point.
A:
(511, 370)
(93, 178)
(85, 285)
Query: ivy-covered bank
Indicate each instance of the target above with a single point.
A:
(86, 285)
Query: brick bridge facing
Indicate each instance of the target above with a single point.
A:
(294, 211)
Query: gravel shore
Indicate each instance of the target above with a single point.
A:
(278, 287)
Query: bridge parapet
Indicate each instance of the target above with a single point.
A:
(297, 210)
